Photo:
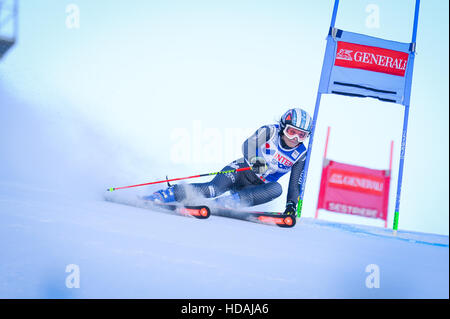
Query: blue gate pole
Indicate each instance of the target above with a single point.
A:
(313, 126)
(400, 170)
(405, 120)
(308, 156)
(333, 17)
(416, 20)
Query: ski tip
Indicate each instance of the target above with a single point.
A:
(288, 221)
(201, 212)
(204, 212)
(281, 221)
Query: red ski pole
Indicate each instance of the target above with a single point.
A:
(181, 178)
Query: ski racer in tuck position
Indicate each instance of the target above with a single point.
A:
(271, 152)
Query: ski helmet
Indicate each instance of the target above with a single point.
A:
(298, 118)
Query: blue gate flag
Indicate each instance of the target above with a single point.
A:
(364, 66)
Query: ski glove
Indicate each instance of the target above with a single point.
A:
(290, 209)
(258, 164)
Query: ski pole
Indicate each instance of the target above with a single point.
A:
(181, 178)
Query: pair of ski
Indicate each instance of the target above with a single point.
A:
(203, 212)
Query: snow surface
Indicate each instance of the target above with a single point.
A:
(52, 214)
(128, 252)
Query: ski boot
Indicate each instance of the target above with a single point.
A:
(163, 196)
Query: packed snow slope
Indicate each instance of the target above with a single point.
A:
(52, 215)
(127, 252)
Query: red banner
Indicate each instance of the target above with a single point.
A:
(354, 190)
(351, 55)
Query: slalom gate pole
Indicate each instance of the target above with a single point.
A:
(405, 121)
(181, 178)
(313, 127)
(323, 163)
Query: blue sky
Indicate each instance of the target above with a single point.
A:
(182, 83)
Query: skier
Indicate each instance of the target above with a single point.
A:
(271, 152)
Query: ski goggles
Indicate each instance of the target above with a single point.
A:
(292, 132)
